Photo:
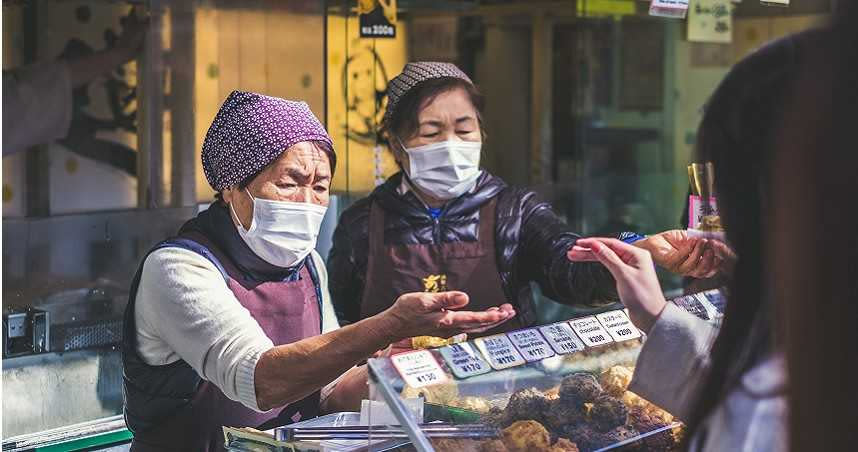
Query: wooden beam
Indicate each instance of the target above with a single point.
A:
(150, 113)
(182, 88)
(542, 33)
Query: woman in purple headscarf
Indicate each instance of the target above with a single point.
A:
(230, 322)
(445, 223)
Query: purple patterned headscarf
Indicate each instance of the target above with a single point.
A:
(415, 73)
(252, 130)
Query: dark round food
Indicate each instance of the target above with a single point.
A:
(560, 415)
(580, 388)
(527, 404)
(618, 434)
(608, 413)
(588, 438)
(644, 423)
(496, 417)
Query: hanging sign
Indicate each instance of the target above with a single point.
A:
(710, 21)
(676, 9)
(377, 18)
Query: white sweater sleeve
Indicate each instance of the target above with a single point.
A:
(184, 310)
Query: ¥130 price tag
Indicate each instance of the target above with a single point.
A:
(618, 325)
(531, 344)
(561, 337)
(499, 351)
(591, 331)
(418, 368)
(464, 360)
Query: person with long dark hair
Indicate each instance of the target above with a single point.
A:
(730, 392)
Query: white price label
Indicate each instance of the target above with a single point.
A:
(591, 332)
(499, 351)
(463, 360)
(531, 344)
(418, 368)
(561, 337)
(618, 325)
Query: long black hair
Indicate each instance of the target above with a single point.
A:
(738, 134)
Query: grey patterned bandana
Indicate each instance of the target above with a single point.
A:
(252, 130)
(415, 73)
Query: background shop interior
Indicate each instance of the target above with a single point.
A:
(593, 103)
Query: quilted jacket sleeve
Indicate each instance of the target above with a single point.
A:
(544, 241)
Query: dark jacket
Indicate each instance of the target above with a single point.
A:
(531, 244)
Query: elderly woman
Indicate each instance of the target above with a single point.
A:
(230, 322)
(444, 223)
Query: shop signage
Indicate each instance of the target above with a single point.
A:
(377, 18)
(591, 332)
(419, 368)
(561, 337)
(710, 21)
(499, 351)
(669, 8)
(531, 344)
(463, 360)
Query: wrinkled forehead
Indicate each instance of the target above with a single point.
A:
(306, 156)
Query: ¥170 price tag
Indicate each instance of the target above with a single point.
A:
(419, 368)
(499, 351)
(618, 325)
(464, 361)
(591, 332)
(531, 344)
(561, 337)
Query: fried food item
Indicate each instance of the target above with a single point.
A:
(442, 394)
(588, 438)
(494, 445)
(618, 434)
(564, 445)
(497, 417)
(477, 404)
(645, 421)
(526, 436)
(527, 404)
(560, 414)
(634, 401)
(579, 388)
(421, 342)
(615, 380)
(456, 445)
(608, 413)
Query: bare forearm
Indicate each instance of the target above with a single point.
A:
(349, 392)
(288, 373)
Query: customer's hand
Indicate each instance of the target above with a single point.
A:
(435, 314)
(634, 272)
(677, 252)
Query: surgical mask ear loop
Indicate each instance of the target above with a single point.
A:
(232, 209)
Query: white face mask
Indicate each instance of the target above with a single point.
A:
(446, 169)
(282, 233)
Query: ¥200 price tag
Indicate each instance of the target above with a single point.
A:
(499, 351)
(531, 344)
(618, 325)
(464, 360)
(591, 332)
(418, 368)
(561, 337)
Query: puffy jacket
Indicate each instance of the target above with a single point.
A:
(530, 240)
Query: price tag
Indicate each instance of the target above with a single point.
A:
(590, 331)
(618, 325)
(418, 368)
(531, 344)
(562, 339)
(463, 360)
(499, 351)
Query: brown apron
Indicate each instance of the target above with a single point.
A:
(470, 267)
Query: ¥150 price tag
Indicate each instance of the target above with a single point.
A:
(531, 344)
(499, 351)
(618, 325)
(591, 332)
(419, 368)
(464, 360)
(561, 337)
